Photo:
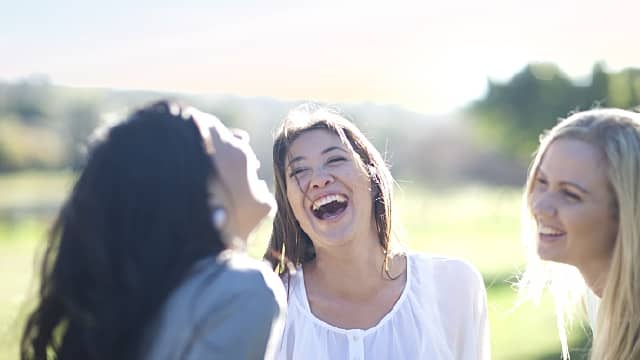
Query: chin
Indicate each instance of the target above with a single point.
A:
(551, 255)
(333, 238)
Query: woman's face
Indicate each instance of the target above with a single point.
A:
(327, 189)
(572, 205)
(245, 197)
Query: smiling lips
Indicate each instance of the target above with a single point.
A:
(547, 233)
(329, 206)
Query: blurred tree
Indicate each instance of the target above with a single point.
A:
(27, 146)
(624, 88)
(80, 119)
(598, 89)
(514, 114)
(29, 100)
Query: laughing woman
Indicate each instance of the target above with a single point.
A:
(351, 295)
(582, 206)
(141, 265)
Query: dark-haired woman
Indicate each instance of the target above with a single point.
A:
(140, 263)
(353, 295)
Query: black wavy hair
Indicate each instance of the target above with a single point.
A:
(135, 222)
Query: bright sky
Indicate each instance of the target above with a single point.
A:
(426, 56)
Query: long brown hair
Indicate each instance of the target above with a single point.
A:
(288, 240)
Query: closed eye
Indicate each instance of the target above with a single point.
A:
(336, 159)
(571, 195)
(541, 181)
(297, 171)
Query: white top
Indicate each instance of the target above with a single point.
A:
(592, 303)
(441, 314)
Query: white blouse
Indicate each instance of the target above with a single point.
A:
(592, 303)
(441, 314)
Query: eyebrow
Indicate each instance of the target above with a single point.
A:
(566, 183)
(325, 151)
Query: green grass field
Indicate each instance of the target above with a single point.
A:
(477, 224)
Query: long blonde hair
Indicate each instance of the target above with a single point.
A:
(617, 134)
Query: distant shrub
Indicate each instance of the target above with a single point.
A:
(29, 146)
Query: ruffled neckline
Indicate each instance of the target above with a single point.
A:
(303, 301)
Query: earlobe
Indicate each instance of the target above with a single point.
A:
(219, 217)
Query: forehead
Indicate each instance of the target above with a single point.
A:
(314, 142)
(574, 161)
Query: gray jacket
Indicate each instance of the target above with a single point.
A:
(230, 307)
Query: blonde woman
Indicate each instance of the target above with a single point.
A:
(582, 226)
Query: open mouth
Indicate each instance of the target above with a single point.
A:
(549, 233)
(329, 207)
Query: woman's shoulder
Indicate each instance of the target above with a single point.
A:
(225, 277)
(228, 287)
(446, 270)
(241, 273)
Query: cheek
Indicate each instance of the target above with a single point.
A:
(352, 174)
(579, 218)
(297, 207)
(609, 230)
(532, 200)
(295, 199)
(363, 182)
(595, 225)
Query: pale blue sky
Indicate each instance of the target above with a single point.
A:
(426, 56)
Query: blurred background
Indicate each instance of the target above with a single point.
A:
(454, 94)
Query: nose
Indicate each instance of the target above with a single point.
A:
(542, 205)
(320, 179)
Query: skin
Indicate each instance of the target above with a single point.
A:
(320, 165)
(572, 204)
(245, 197)
(344, 284)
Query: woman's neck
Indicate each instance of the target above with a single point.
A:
(595, 275)
(353, 270)
(346, 286)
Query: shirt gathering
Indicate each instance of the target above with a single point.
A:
(440, 314)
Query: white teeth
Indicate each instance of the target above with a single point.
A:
(545, 230)
(327, 199)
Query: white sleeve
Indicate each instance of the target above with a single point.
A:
(463, 309)
(476, 343)
(592, 303)
(483, 339)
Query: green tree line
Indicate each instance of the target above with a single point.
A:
(47, 127)
(41, 125)
(44, 126)
(513, 114)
